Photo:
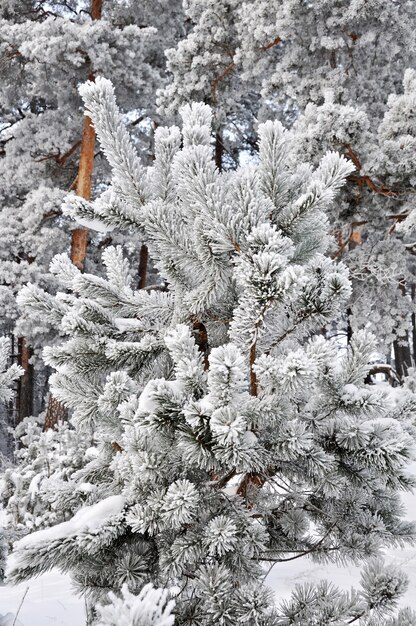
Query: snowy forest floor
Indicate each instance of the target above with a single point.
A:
(49, 600)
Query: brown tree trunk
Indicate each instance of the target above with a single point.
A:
(219, 150)
(143, 260)
(25, 383)
(84, 184)
(86, 165)
(55, 411)
(201, 339)
(96, 9)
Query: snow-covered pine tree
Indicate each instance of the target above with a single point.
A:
(230, 432)
(37, 490)
(47, 48)
(291, 53)
(339, 60)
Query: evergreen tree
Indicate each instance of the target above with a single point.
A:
(329, 67)
(47, 49)
(38, 489)
(230, 432)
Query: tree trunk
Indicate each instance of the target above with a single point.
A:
(402, 357)
(96, 9)
(253, 377)
(219, 150)
(25, 383)
(84, 184)
(55, 410)
(402, 352)
(143, 260)
(354, 241)
(201, 340)
(85, 168)
(349, 327)
(55, 413)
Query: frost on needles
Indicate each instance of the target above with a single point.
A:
(231, 434)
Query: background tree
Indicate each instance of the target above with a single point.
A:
(339, 61)
(46, 50)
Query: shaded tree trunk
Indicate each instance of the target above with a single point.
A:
(219, 150)
(402, 352)
(402, 357)
(24, 406)
(144, 250)
(349, 327)
(201, 340)
(354, 241)
(143, 260)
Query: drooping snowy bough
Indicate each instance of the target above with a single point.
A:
(233, 434)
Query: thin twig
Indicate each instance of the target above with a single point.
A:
(20, 606)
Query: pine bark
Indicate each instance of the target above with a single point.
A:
(55, 413)
(96, 9)
(219, 150)
(85, 169)
(201, 339)
(143, 261)
(25, 383)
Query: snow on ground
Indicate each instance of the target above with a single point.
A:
(50, 602)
